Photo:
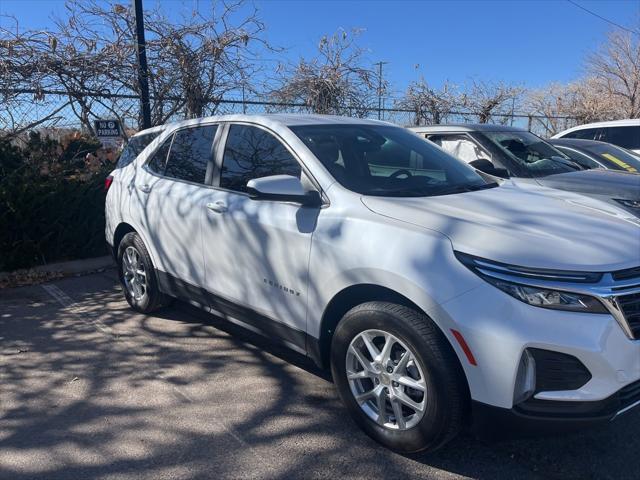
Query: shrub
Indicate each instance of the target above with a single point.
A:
(51, 201)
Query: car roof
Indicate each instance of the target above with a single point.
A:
(286, 119)
(466, 127)
(147, 131)
(629, 122)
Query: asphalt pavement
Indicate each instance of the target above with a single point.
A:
(90, 389)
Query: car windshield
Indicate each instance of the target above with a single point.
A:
(387, 161)
(532, 154)
(616, 158)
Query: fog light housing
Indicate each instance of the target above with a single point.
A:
(525, 378)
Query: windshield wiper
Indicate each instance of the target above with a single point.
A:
(451, 189)
(566, 162)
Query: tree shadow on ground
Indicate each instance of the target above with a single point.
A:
(97, 391)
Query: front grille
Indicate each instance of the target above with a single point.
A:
(626, 274)
(630, 306)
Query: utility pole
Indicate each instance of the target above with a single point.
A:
(143, 71)
(380, 64)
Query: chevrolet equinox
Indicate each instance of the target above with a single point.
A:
(437, 297)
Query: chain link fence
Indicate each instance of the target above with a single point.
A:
(52, 111)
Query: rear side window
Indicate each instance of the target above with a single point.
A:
(135, 147)
(585, 133)
(159, 159)
(626, 137)
(190, 153)
(251, 152)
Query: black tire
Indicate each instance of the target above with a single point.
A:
(153, 299)
(446, 403)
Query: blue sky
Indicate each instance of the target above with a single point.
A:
(526, 42)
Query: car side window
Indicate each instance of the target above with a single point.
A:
(134, 148)
(190, 153)
(585, 133)
(625, 137)
(159, 159)
(252, 152)
(460, 146)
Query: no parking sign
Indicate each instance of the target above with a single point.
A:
(108, 132)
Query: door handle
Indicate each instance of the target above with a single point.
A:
(144, 188)
(218, 207)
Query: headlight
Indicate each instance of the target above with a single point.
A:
(537, 296)
(555, 299)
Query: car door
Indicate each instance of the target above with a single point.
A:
(256, 252)
(173, 190)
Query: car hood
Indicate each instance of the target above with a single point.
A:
(609, 183)
(525, 226)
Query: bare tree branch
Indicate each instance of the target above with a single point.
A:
(337, 81)
(430, 105)
(488, 100)
(616, 69)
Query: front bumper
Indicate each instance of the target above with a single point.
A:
(498, 329)
(547, 416)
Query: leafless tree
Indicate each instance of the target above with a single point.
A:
(561, 106)
(616, 67)
(430, 105)
(90, 55)
(22, 68)
(339, 80)
(491, 100)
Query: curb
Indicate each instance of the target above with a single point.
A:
(65, 268)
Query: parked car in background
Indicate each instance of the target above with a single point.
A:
(430, 292)
(624, 133)
(594, 154)
(525, 158)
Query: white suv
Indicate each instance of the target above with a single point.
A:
(435, 297)
(624, 133)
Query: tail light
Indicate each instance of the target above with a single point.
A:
(107, 182)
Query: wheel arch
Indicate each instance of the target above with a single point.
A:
(352, 296)
(121, 230)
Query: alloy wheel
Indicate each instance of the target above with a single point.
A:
(386, 379)
(134, 273)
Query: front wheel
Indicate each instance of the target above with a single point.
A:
(398, 377)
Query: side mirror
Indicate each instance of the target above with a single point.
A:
(486, 166)
(283, 188)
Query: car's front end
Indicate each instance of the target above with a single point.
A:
(547, 316)
(552, 348)
(536, 290)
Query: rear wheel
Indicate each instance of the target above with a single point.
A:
(398, 377)
(138, 276)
